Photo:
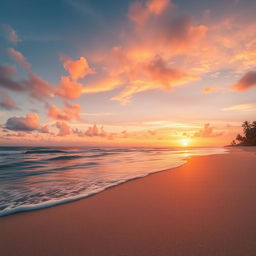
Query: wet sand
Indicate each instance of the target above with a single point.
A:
(205, 207)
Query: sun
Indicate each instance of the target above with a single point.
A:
(185, 142)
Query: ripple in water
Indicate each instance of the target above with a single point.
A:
(32, 178)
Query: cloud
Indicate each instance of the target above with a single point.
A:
(140, 12)
(209, 90)
(68, 113)
(93, 131)
(241, 107)
(69, 88)
(247, 57)
(44, 129)
(64, 128)
(157, 6)
(6, 79)
(40, 89)
(142, 62)
(168, 36)
(178, 35)
(155, 56)
(10, 34)
(33, 84)
(159, 71)
(155, 74)
(158, 49)
(246, 82)
(133, 88)
(28, 123)
(18, 56)
(77, 68)
(207, 131)
(6, 101)
(107, 83)
(37, 87)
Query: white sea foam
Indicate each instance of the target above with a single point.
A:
(33, 178)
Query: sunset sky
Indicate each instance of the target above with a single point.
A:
(126, 73)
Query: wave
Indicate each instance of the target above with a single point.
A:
(44, 151)
(39, 178)
(18, 164)
(71, 157)
(85, 165)
(64, 158)
(50, 203)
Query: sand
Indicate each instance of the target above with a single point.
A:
(205, 207)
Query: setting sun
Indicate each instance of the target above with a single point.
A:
(185, 142)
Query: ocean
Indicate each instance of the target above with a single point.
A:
(39, 177)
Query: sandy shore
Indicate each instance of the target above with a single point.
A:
(206, 207)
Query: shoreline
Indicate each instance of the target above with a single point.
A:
(193, 209)
(53, 203)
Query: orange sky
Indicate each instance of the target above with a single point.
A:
(134, 73)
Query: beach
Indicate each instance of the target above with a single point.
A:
(205, 207)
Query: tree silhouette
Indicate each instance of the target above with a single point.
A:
(249, 135)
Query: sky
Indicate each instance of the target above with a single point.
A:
(123, 73)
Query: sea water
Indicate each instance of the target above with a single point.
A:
(38, 177)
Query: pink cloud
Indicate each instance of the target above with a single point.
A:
(246, 82)
(154, 74)
(6, 101)
(157, 6)
(37, 87)
(33, 85)
(92, 131)
(140, 12)
(28, 123)
(77, 68)
(159, 71)
(138, 65)
(159, 50)
(144, 60)
(68, 113)
(208, 131)
(106, 83)
(69, 89)
(7, 81)
(64, 128)
(18, 56)
(44, 129)
(133, 88)
(95, 131)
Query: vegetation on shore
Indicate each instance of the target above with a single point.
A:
(249, 135)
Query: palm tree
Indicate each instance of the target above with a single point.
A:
(253, 127)
(246, 125)
(240, 138)
(249, 138)
(233, 143)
